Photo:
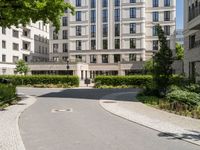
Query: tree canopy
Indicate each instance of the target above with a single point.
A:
(22, 67)
(179, 52)
(15, 12)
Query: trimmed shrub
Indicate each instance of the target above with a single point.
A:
(7, 93)
(133, 81)
(43, 79)
(140, 81)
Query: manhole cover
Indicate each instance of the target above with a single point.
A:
(62, 110)
(109, 102)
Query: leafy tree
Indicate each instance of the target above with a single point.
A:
(15, 12)
(163, 64)
(148, 66)
(22, 67)
(179, 52)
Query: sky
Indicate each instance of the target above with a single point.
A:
(179, 15)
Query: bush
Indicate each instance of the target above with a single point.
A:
(185, 97)
(138, 81)
(43, 79)
(7, 93)
(133, 81)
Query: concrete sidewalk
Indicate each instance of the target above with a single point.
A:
(10, 138)
(170, 125)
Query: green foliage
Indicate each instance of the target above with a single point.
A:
(193, 88)
(149, 66)
(7, 93)
(22, 67)
(163, 63)
(179, 52)
(185, 97)
(43, 79)
(133, 81)
(15, 12)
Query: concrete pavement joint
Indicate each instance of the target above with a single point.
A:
(164, 127)
(10, 138)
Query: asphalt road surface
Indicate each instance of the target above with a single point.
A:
(81, 124)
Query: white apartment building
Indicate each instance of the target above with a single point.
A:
(108, 37)
(30, 43)
(192, 39)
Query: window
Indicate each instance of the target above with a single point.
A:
(166, 3)
(65, 34)
(15, 33)
(3, 71)
(117, 3)
(78, 3)
(93, 30)
(65, 58)
(104, 3)
(117, 15)
(155, 16)
(167, 30)
(3, 58)
(117, 29)
(104, 58)
(15, 59)
(78, 45)
(132, 12)
(78, 58)
(78, 16)
(55, 35)
(78, 30)
(65, 47)
(117, 43)
(132, 28)
(132, 43)
(105, 44)
(55, 59)
(93, 44)
(3, 30)
(167, 16)
(105, 15)
(15, 46)
(155, 45)
(65, 21)
(132, 1)
(93, 3)
(3, 44)
(105, 30)
(93, 58)
(117, 58)
(192, 40)
(93, 16)
(155, 3)
(155, 31)
(132, 57)
(55, 48)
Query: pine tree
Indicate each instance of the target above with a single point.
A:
(163, 63)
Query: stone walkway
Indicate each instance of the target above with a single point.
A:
(170, 125)
(10, 138)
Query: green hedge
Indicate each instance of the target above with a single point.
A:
(131, 81)
(43, 79)
(7, 93)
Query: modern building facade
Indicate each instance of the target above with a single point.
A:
(192, 39)
(109, 36)
(180, 37)
(30, 43)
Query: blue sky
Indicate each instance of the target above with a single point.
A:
(179, 15)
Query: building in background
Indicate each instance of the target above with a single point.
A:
(29, 43)
(111, 37)
(180, 37)
(192, 39)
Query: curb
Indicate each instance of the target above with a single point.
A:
(121, 112)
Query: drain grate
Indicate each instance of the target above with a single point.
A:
(109, 102)
(62, 110)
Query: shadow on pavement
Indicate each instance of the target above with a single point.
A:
(95, 94)
(194, 136)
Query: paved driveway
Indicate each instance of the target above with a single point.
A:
(86, 126)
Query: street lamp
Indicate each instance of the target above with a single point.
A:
(67, 65)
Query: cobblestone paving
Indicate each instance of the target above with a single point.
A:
(10, 138)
